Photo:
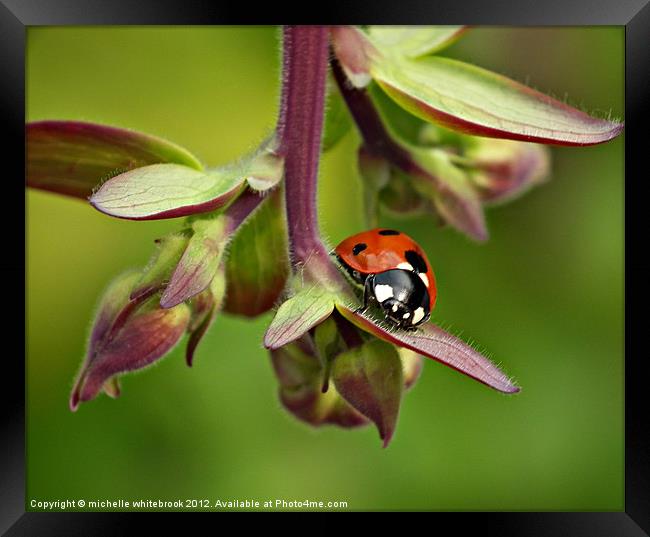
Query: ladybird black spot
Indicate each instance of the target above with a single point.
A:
(416, 261)
(359, 247)
(388, 232)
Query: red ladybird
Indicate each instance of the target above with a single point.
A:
(394, 271)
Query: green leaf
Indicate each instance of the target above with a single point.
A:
(72, 157)
(370, 379)
(400, 124)
(167, 191)
(414, 41)
(297, 315)
(476, 101)
(433, 342)
(199, 262)
(258, 262)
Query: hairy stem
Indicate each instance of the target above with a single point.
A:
(304, 73)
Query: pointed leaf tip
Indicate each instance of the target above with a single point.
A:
(433, 342)
(199, 262)
(470, 99)
(370, 378)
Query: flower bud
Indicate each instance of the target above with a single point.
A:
(503, 170)
(127, 335)
(300, 375)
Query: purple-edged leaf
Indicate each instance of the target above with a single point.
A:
(300, 375)
(72, 157)
(451, 192)
(297, 315)
(138, 335)
(470, 99)
(204, 307)
(167, 191)
(414, 41)
(258, 262)
(199, 263)
(370, 378)
(433, 342)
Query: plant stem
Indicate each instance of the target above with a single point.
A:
(376, 137)
(304, 72)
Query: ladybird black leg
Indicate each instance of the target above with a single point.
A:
(367, 294)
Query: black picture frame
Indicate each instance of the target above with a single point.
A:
(17, 15)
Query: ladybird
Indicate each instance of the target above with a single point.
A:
(394, 272)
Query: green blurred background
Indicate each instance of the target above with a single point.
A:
(544, 297)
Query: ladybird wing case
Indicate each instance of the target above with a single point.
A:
(380, 249)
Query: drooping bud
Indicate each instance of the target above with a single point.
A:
(127, 335)
(300, 375)
(451, 192)
(503, 169)
(370, 378)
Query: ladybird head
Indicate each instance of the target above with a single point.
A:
(402, 296)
